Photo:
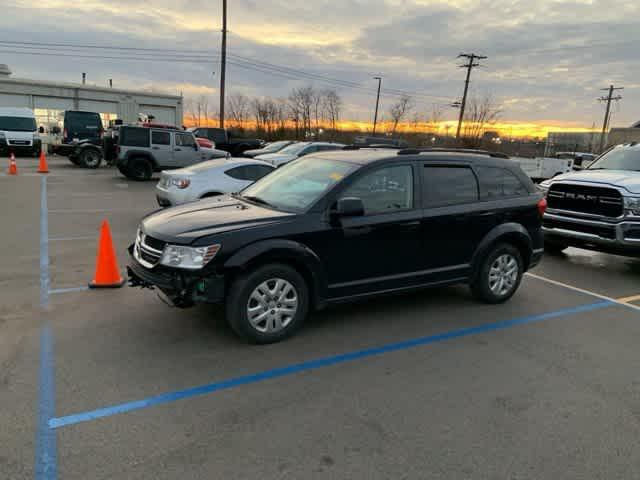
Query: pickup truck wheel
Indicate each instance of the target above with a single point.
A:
(139, 169)
(499, 275)
(90, 158)
(268, 304)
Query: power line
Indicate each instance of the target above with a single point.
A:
(472, 57)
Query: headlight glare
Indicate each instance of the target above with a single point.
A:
(632, 205)
(190, 258)
(181, 182)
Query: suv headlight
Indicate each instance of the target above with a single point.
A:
(2, 136)
(189, 258)
(632, 206)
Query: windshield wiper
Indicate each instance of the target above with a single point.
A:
(253, 199)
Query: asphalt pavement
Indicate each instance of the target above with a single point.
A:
(115, 384)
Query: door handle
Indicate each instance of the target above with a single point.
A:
(177, 149)
(155, 148)
(412, 225)
(484, 214)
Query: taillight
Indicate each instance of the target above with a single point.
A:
(542, 206)
(65, 134)
(117, 149)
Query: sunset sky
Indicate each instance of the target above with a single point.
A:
(547, 60)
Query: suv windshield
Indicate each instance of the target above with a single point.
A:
(622, 158)
(17, 124)
(297, 185)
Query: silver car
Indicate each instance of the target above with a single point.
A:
(208, 179)
(298, 150)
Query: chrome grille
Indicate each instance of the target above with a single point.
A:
(147, 250)
(606, 202)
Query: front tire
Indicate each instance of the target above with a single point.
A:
(268, 304)
(499, 275)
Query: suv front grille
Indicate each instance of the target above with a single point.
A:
(148, 250)
(606, 202)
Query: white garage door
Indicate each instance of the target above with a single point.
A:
(98, 107)
(53, 103)
(15, 101)
(161, 114)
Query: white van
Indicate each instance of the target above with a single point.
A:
(18, 132)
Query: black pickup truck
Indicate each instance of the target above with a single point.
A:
(227, 140)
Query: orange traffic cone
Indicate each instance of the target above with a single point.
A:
(107, 271)
(43, 168)
(13, 168)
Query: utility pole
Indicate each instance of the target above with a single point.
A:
(223, 61)
(607, 116)
(472, 57)
(111, 83)
(375, 116)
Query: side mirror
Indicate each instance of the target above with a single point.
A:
(577, 168)
(350, 207)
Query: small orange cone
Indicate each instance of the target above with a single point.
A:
(13, 168)
(43, 168)
(107, 271)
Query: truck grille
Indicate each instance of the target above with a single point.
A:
(148, 250)
(606, 202)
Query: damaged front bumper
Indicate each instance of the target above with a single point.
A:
(183, 289)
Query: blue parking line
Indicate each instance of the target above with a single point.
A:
(46, 465)
(44, 244)
(312, 365)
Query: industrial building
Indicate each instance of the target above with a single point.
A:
(48, 99)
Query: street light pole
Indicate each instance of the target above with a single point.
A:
(375, 116)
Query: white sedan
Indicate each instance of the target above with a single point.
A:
(208, 179)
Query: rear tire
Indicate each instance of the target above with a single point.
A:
(499, 274)
(139, 169)
(90, 159)
(268, 304)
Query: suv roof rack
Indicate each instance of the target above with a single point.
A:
(416, 151)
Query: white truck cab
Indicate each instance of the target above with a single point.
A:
(18, 132)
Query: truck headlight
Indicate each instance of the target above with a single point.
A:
(544, 187)
(189, 258)
(632, 206)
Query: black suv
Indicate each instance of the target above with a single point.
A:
(338, 226)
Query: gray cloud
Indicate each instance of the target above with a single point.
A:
(548, 59)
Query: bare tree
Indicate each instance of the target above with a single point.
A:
(300, 104)
(238, 107)
(399, 110)
(332, 107)
(203, 109)
(481, 112)
(435, 117)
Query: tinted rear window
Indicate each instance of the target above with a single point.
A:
(499, 183)
(83, 121)
(134, 137)
(449, 186)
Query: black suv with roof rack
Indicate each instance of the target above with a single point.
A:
(345, 225)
